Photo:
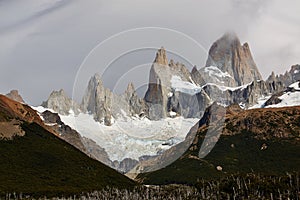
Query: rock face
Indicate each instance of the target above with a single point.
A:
(197, 77)
(136, 105)
(14, 95)
(98, 100)
(61, 103)
(228, 55)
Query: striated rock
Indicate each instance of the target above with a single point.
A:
(14, 95)
(230, 56)
(61, 103)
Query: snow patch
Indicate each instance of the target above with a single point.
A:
(215, 71)
(170, 94)
(172, 113)
(288, 99)
(295, 86)
(183, 86)
(224, 88)
(260, 102)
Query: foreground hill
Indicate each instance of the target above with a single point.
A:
(261, 141)
(34, 161)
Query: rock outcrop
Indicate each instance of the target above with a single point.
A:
(14, 95)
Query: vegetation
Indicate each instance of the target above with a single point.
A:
(40, 163)
(248, 186)
(240, 153)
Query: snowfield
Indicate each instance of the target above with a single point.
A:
(130, 137)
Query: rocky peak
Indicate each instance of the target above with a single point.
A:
(14, 95)
(272, 77)
(130, 89)
(230, 56)
(61, 103)
(197, 77)
(161, 57)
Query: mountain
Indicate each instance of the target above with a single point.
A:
(261, 141)
(14, 95)
(61, 103)
(34, 161)
(171, 90)
(231, 61)
(124, 128)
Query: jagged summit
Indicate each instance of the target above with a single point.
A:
(228, 55)
(161, 57)
(14, 95)
(130, 88)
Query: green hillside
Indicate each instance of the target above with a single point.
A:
(39, 163)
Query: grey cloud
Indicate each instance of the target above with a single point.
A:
(44, 54)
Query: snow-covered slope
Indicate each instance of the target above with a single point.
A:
(289, 98)
(130, 137)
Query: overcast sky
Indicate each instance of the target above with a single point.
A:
(44, 42)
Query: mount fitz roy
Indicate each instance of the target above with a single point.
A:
(230, 76)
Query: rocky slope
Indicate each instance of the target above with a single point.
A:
(264, 141)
